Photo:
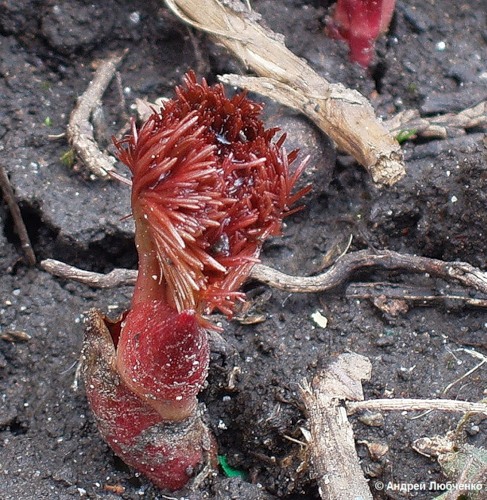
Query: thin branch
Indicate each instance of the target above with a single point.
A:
(20, 229)
(114, 279)
(336, 275)
(343, 114)
(415, 405)
(80, 130)
(384, 293)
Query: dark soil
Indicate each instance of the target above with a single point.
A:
(434, 59)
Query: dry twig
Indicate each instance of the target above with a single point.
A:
(461, 272)
(114, 279)
(80, 131)
(343, 114)
(334, 459)
(336, 275)
(21, 230)
(415, 405)
(394, 292)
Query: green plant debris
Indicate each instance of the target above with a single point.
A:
(404, 135)
(68, 158)
(48, 121)
(228, 470)
(412, 88)
(46, 86)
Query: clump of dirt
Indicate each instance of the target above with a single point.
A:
(433, 59)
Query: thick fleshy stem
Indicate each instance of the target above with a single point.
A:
(162, 356)
(169, 454)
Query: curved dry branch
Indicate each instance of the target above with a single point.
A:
(341, 270)
(461, 272)
(80, 130)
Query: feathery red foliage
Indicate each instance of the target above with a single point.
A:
(209, 185)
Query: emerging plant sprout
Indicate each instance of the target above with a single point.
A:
(360, 23)
(208, 186)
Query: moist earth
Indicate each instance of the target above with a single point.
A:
(432, 59)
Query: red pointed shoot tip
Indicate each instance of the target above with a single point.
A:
(360, 23)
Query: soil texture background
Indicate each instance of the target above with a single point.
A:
(434, 58)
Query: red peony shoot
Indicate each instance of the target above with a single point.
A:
(209, 184)
(360, 23)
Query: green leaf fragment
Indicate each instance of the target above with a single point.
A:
(68, 158)
(228, 470)
(404, 135)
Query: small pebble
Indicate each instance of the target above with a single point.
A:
(441, 46)
(372, 419)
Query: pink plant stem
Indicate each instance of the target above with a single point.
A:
(360, 23)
